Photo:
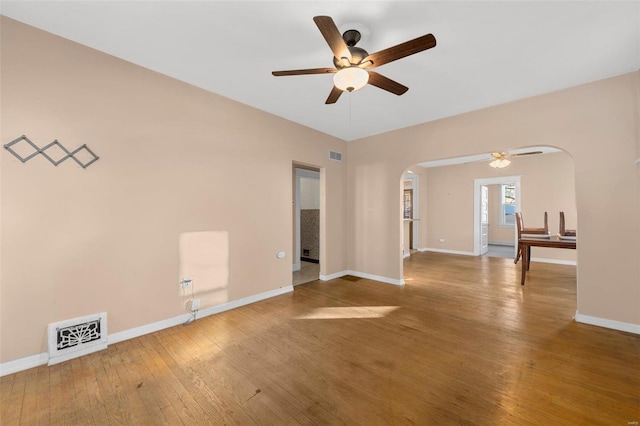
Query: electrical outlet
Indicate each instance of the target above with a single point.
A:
(195, 304)
(185, 283)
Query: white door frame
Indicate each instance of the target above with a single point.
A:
(477, 183)
(415, 181)
(300, 173)
(484, 204)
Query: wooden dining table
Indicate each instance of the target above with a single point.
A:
(525, 244)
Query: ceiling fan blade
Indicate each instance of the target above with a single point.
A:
(386, 83)
(525, 153)
(334, 95)
(333, 37)
(401, 50)
(305, 71)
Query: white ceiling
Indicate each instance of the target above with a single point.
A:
(488, 52)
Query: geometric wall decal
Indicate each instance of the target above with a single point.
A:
(24, 150)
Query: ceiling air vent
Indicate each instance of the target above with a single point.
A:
(336, 156)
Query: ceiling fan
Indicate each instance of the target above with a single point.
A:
(501, 159)
(352, 64)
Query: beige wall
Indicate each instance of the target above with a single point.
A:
(546, 183)
(596, 124)
(173, 159)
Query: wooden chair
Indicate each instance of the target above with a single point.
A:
(565, 232)
(536, 231)
(520, 229)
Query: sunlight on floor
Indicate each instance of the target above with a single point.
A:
(349, 312)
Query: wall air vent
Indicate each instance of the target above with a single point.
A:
(335, 156)
(76, 337)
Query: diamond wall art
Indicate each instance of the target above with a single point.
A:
(24, 150)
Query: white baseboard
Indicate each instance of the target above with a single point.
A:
(147, 328)
(362, 275)
(244, 301)
(75, 354)
(555, 261)
(405, 255)
(607, 323)
(25, 363)
(376, 278)
(464, 253)
(296, 266)
(333, 276)
(37, 360)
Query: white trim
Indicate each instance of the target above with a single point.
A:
(148, 328)
(414, 178)
(607, 323)
(25, 363)
(533, 259)
(333, 276)
(405, 255)
(477, 183)
(362, 275)
(554, 261)
(376, 278)
(484, 157)
(37, 360)
(311, 174)
(75, 354)
(245, 301)
(160, 325)
(464, 253)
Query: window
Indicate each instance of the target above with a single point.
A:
(507, 204)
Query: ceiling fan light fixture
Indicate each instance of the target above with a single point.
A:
(350, 79)
(500, 163)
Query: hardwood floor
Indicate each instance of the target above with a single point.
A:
(461, 343)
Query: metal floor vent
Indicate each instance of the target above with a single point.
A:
(76, 337)
(334, 155)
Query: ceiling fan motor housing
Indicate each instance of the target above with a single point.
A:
(357, 55)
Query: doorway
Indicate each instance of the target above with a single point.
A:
(306, 265)
(504, 202)
(410, 214)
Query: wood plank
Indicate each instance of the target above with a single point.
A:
(96, 410)
(57, 404)
(200, 409)
(12, 401)
(43, 400)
